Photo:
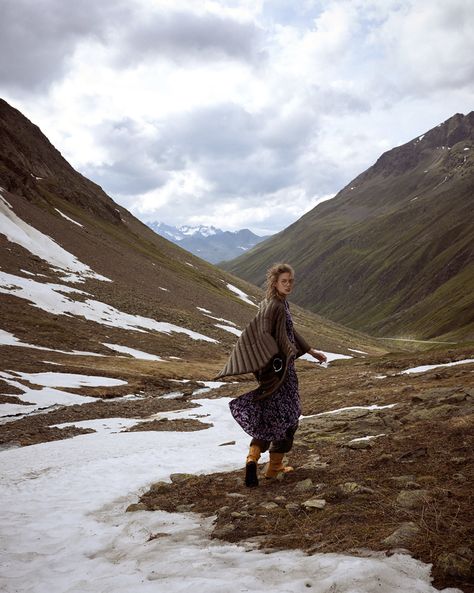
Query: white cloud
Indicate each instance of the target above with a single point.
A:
(234, 112)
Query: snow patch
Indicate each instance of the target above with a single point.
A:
(8, 339)
(70, 219)
(70, 380)
(102, 425)
(49, 297)
(38, 399)
(134, 353)
(429, 367)
(371, 408)
(367, 438)
(241, 294)
(206, 312)
(19, 232)
(230, 329)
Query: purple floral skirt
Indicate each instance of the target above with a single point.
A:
(270, 418)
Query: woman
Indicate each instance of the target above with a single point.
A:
(268, 347)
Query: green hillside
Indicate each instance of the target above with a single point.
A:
(392, 253)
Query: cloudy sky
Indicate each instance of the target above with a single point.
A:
(235, 113)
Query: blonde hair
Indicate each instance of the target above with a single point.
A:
(273, 274)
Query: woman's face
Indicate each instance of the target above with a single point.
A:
(284, 284)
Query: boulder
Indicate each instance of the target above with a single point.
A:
(180, 478)
(413, 499)
(304, 485)
(314, 503)
(402, 536)
(457, 564)
(184, 508)
(349, 488)
(138, 506)
(269, 506)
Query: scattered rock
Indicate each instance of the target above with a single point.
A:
(239, 514)
(184, 508)
(304, 485)
(366, 444)
(402, 480)
(413, 499)
(280, 498)
(457, 564)
(313, 462)
(179, 478)
(235, 495)
(159, 487)
(410, 456)
(458, 397)
(221, 532)
(138, 506)
(314, 503)
(349, 488)
(407, 482)
(459, 477)
(435, 413)
(402, 536)
(269, 506)
(292, 506)
(10, 445)
(385, 457)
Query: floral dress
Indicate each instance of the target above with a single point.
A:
(269, 419)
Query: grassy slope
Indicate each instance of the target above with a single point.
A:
(395, 253)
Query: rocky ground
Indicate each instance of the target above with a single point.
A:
(409, 487)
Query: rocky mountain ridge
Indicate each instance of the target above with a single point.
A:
(210, 243)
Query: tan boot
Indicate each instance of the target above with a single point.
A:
(251, 478)
(276, 466)
(254, 453)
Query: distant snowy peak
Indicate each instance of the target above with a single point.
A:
(208, 242)
(179, 233)
(167, 231)
(204, 231)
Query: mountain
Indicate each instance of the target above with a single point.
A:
(392, 252)
(80, 274)
(109, 335)
(212, 244)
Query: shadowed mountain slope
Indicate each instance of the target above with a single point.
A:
(392, 253)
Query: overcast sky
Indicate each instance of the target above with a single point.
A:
(235, 113)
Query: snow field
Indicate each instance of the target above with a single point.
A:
(65, 529)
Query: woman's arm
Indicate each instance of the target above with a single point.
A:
(318, 355)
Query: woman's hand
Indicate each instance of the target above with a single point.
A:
(318, 355)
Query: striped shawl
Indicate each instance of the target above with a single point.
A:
(262, 340)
